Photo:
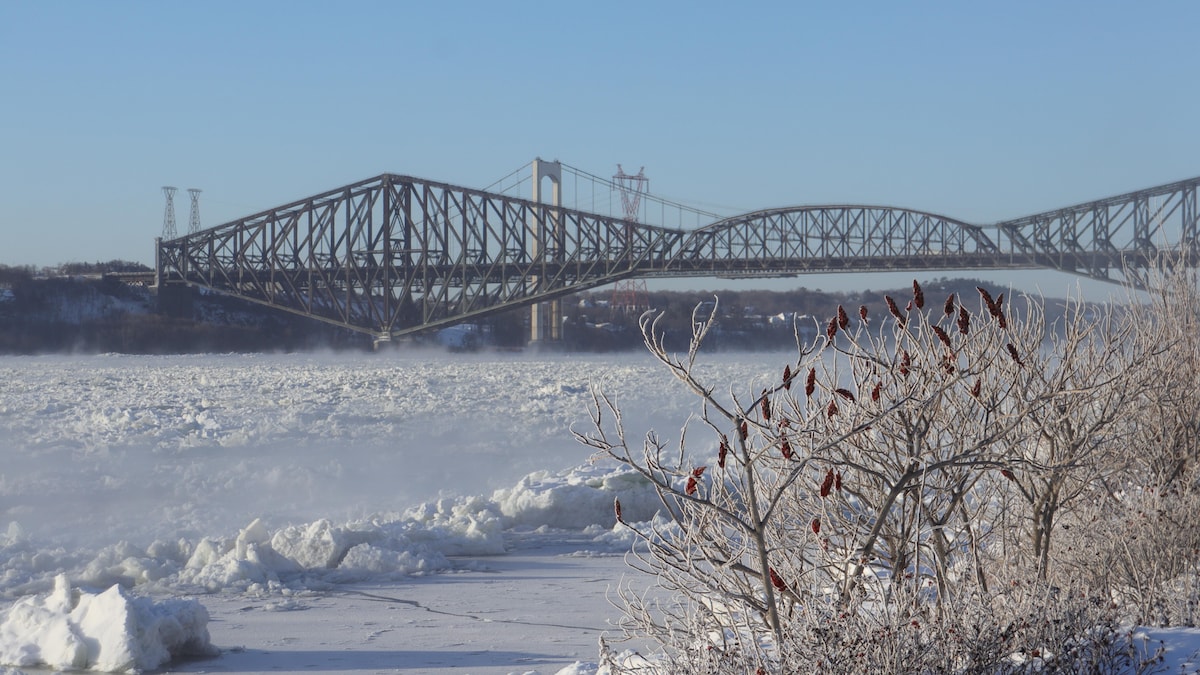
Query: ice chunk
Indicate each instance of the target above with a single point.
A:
(110, 631)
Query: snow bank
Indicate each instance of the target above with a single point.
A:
(418, 541)
(110, 631)
(577, 499)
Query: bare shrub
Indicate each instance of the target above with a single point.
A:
(847, 513)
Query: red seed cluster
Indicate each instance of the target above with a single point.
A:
(1012, 351)
(941, 335)
(994, 307)
(776, 581)
(891, 305)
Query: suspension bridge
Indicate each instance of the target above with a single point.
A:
(395, 255)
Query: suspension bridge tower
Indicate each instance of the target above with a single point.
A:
(545, 319)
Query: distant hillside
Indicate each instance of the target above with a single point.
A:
(76, 309)
(92, 314)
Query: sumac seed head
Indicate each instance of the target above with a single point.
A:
(891, 305)
(810, 384)
(948, 308)
(1012, 351)
(843, 320)
(987, 297)
(827, 484)
(918, 295)
(787, 377)
(941, 335)
(778, 583)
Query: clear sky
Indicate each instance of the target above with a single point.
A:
(979, 111)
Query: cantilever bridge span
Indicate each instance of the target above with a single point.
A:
(395, 255)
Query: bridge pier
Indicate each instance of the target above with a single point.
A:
(381, 342)
(545, 324)
(175, 300)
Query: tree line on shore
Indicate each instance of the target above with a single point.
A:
(75, 308)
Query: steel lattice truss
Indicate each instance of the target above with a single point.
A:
(394, 255)
(833, 238)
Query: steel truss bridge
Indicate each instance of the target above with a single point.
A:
(395, 255)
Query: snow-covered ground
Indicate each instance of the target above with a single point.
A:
(399, 512)
(407, 511)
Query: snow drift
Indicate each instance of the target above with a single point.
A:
(111, 631)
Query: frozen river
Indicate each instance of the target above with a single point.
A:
(104, 449)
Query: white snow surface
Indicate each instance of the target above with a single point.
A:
(268, 484)
(400, 512)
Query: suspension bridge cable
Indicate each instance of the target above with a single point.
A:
(656, 198)
(510, 174)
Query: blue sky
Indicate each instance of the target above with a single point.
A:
(980, 111)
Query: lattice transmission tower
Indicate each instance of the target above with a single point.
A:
(194, 218)
(169, 231)
(630, 297)
(632, 189)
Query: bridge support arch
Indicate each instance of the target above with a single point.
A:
(545, 318)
